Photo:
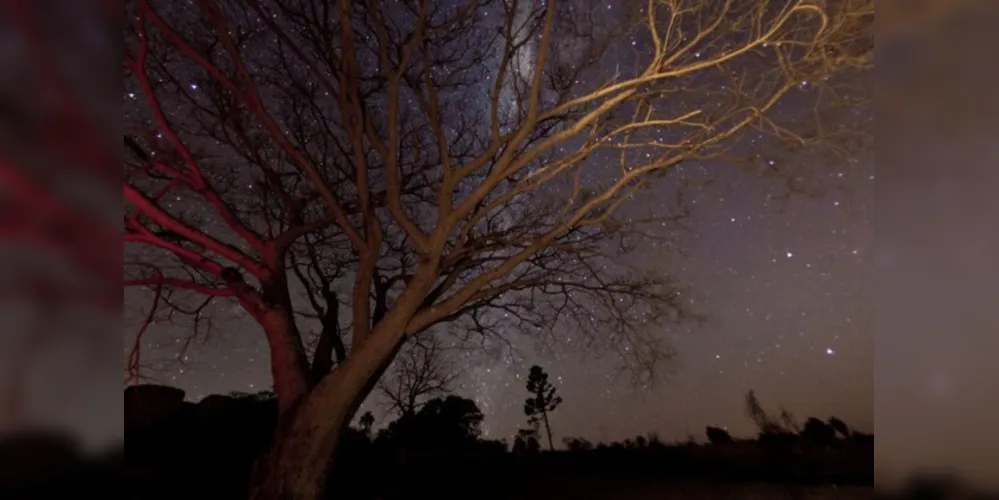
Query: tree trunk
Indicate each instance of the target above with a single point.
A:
(309, 431)
(548, 429)
(289, 364)
(330, 347)
(305, 443)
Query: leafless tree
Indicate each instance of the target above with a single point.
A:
(420, 372)
(425, 164)
(785, 423)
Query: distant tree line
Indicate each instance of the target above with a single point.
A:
(222, 435)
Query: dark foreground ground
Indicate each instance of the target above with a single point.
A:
(44, 466)
(555, 487)
(595, 488)
(682, 472)
(178, 450)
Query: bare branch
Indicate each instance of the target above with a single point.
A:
(420, 373)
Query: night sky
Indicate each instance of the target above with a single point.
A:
(785, 284)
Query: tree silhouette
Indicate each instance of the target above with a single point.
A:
(441, 423)
(577, 444)
(718, 436)
(840, 427)
(754, 410)
(818, 432)
(432, 165)
(789, 422)
(366, 421)
(419, 373)
(526, 441)
(767, 424)
(543, 400)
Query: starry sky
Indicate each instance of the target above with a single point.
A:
(784, 282)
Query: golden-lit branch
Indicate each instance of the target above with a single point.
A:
(391, 153)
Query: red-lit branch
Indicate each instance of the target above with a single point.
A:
(250, 98)
(132, 368)
(167, 221)
(195, 180)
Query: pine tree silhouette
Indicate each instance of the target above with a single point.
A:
(542, 401)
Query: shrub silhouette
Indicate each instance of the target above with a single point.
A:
(840, 427)
(718, 436)
(655, 442)
(148, 405)
(526, 441)
(448, 422)
(577, 444)
(818, 432)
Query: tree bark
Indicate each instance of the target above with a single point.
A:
(330, 347)
(305, 444)
(309, 431)
(289, 364)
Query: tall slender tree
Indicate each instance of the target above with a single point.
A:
(543, 401)
(423, 163)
